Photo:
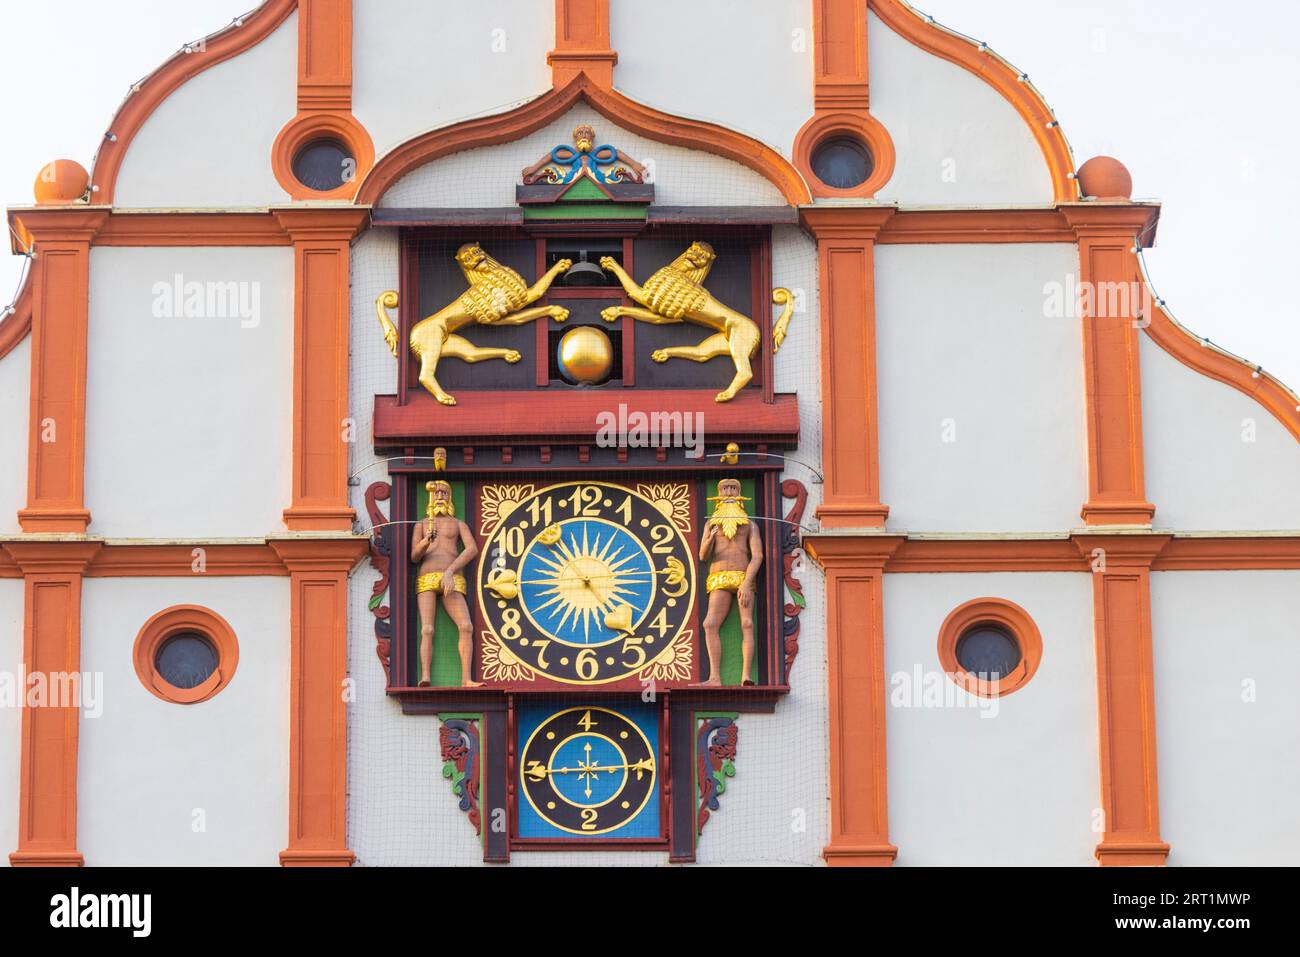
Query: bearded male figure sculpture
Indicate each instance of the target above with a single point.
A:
(442, 547)
(497, 296)
(734, 550)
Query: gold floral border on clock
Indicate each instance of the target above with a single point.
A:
(500, 663)
(496, 502)
(674, 663)
(672, 499)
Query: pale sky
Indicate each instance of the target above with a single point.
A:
(1195, 97)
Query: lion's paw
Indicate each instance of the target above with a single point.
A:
(511, 356)
(608, 262)
(610, 314)
(559, 313)
(659, 355)
(446, 399)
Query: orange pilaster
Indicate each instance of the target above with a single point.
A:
(47, 783)
(321, 241)
(846, 241)
(56, 451)
(318, 725)
(325, 55)
(1126, 713)
(1112, 373)
(856, 700)
(582, 43)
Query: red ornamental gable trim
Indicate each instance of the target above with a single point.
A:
(1208, 360)
(15, 326)
(163, 82)
(993, 70)
(614, 106)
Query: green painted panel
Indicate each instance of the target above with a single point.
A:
(584, 189)
(606, 210)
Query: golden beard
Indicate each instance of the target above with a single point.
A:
(439, 507)
(729, 516)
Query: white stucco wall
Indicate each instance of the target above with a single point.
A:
(1018, 787)
(958, 141)
(418, 65)
(209, 142)
(15, 405)
(487, 176)
(980, 393)
(11, 718)
(1215, 459)
(1226, 650)
(189, 420)
(691, 59)
(146, 765)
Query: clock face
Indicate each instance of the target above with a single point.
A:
(589, 772)
(586, 582)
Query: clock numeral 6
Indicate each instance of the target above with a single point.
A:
(587, 664)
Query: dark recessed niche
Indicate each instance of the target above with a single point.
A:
(987, 652)
(842, 162)
(186, 660)
(324, 165)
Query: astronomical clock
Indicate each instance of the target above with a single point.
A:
(586, 565)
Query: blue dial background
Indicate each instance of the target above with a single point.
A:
(644, 825)
(639, 594)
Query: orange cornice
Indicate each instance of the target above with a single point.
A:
(617, 108)
(931, 226)
(988, 66)
(183, 66)
(192, 229)
(15, 326)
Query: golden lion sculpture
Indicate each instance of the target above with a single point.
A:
(497, 296)
(676, 294)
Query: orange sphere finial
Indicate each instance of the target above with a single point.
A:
(63, 181)
(1104, 177)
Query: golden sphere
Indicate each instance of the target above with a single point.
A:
(585, 355)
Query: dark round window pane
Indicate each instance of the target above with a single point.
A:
(842, 162)
(186, 660)
(323, 165)
(988, 653)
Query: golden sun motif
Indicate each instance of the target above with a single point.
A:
(586, 580)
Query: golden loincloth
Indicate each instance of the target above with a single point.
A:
(433, 582)
(729, 580)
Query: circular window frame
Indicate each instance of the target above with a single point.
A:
(171, 622)
(996, 613)
(307, 128)
(864, 128)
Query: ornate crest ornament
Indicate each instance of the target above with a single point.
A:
(601, 164)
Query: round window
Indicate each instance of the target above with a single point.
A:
(324, 165)
(988, 653)
(186, 660)
(842, 162)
